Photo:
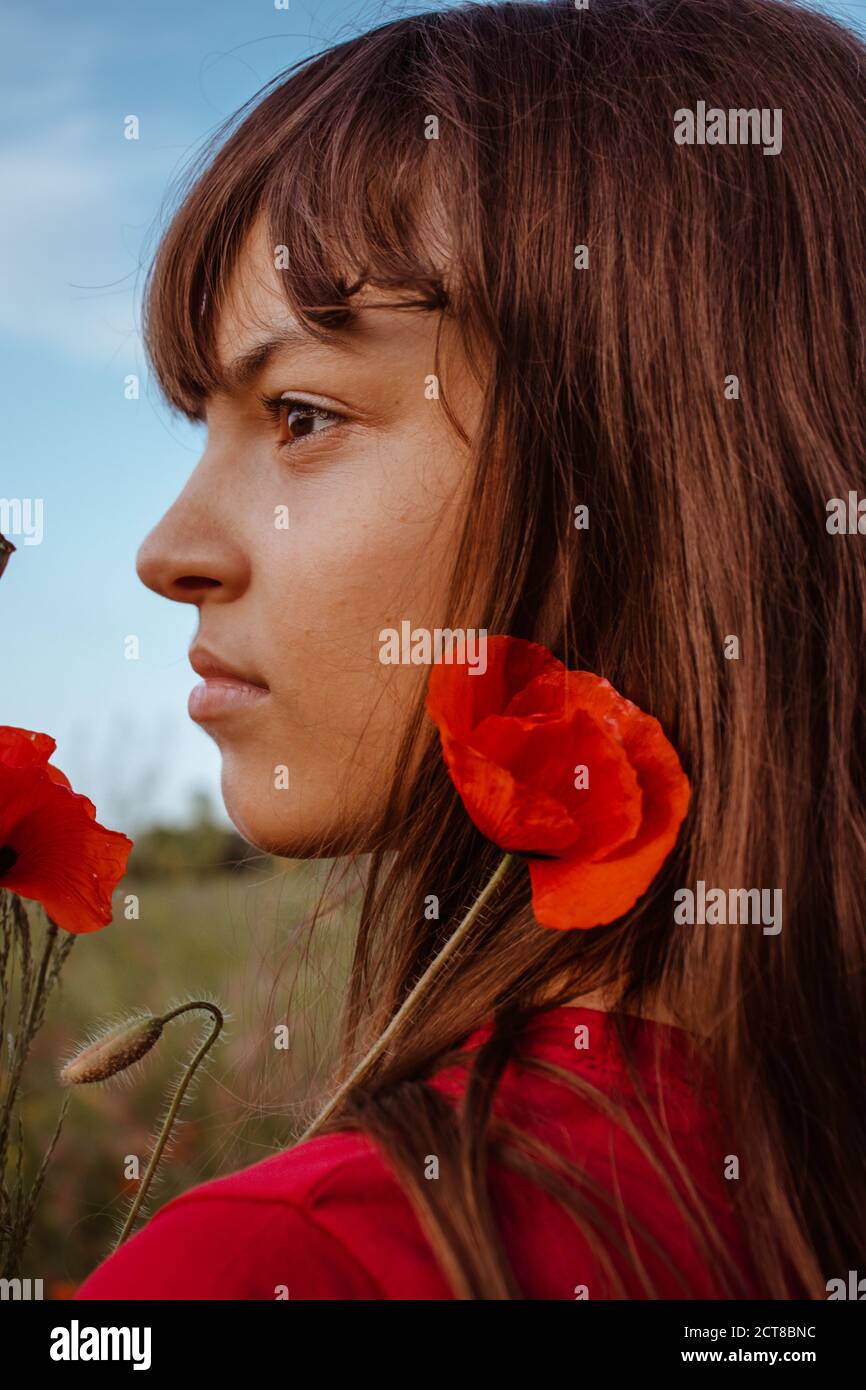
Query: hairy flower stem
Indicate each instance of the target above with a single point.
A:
(31, 1012)
(430, 974)
(174, 1107)
(17, 1204)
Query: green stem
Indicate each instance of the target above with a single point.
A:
(174, 1107)
(31, 1009)
(37, 1007)
(433, 969)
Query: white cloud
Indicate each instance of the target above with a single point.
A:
(78, 198)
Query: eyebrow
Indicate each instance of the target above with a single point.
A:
(244, 368)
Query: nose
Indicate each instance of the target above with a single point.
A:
(194, 552)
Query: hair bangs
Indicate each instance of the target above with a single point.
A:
(334, 158)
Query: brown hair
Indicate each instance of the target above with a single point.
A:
(707, 519)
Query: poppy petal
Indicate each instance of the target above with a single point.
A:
(58, 854)
(24, 748)
(572, 893)
(605, 812)
(457, 700)
(514, 817)
(516, 740)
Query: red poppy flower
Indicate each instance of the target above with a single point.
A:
(555, 765)
(52, 848)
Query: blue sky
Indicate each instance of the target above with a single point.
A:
(81, 206)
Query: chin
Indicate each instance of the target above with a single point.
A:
(293, 824)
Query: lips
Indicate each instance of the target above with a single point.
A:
(206, 664)
(224, 688)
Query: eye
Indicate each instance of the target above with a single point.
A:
(297, 420)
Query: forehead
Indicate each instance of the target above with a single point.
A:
(256, 329)
(254, 308)
(253, 302)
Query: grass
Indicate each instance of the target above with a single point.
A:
(237, 939)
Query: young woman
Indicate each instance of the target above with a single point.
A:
(495, 325)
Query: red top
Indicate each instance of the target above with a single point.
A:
(328, 1219)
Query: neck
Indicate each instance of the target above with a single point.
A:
(606, 1001)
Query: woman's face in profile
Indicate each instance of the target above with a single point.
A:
(306, 528)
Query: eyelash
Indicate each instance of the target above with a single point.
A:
(277, 405)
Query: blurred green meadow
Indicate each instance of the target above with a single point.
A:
(217, 921)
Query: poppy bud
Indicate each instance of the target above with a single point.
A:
(113, 1053)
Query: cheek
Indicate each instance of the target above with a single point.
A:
(369, 546)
